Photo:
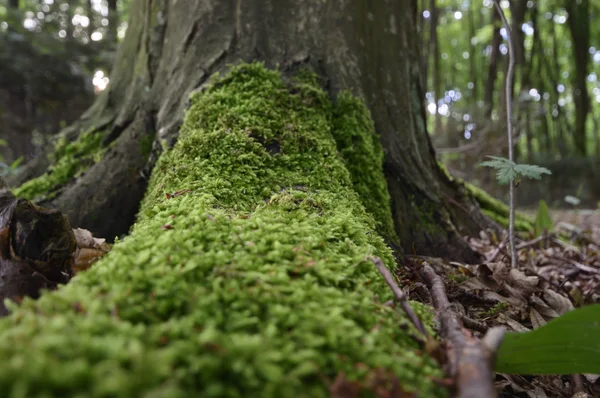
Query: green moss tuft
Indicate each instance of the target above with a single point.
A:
(69, 160)
(491, 207)
(359, 145)
(250, 279)
(498, 211)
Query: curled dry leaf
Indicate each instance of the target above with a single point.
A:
(543, 308)
(536, 319)
(89, 249)
(557, 302)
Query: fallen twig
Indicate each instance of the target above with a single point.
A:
(471, 361)
(473, 324)
(493, 256)
(399, 294)
(532, 242)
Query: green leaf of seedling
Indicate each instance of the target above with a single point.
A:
(543, 221)
(531, 171)
(507, 170)
(565, 345)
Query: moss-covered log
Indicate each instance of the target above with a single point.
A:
(246, 274)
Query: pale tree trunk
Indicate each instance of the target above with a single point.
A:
(172, 49)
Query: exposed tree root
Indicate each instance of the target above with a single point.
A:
(470, 361)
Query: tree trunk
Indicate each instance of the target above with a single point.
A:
(437, 73)
(490, 83)
(247, 272)
(172, 50)
(113, 21)
(579, 26)
(91, 15)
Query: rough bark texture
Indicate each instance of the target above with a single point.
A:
(367, 47)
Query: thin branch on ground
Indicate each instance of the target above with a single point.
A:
(497, 250)
(509, 80)
(399, 294)
(532, 242)
(473, 324)
(471, 361)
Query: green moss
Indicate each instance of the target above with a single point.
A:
(359, 145)
(252, 280)
(146, 142)
(425, 217)
(69, 160)
(496, 310)
(498, 211)
(491, 207)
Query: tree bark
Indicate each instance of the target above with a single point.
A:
(91, 15)
(490, 84)
(170, 50)
(579, 26)
(437, 73)
(113, 21)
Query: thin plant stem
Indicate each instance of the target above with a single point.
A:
(511, 189)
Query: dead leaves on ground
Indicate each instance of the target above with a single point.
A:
(89, 249)
(557, 273)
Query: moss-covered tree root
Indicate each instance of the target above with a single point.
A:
(245, 275)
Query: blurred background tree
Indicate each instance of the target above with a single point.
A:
(55, 56)
(556, 90)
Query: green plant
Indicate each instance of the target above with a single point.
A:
(568, 344)
(565, 345)
(543, 221)
(7, 169)
(507, 170)
(496, 309)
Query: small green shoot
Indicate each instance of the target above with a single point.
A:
(543, 221)
(496, 310)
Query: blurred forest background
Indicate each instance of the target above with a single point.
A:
(55, 57)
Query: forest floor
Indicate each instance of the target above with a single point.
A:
(557, 272)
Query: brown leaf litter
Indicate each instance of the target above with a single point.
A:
(556, 273)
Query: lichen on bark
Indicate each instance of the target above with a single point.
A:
(245, 274)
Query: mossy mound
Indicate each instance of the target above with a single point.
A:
(245, 275)
(358, 143)
(498, 211)
(491, 207)
(69, 160)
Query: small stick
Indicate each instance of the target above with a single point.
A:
(497, 250)
(532, 242)
(473, 324)
(399, 294)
